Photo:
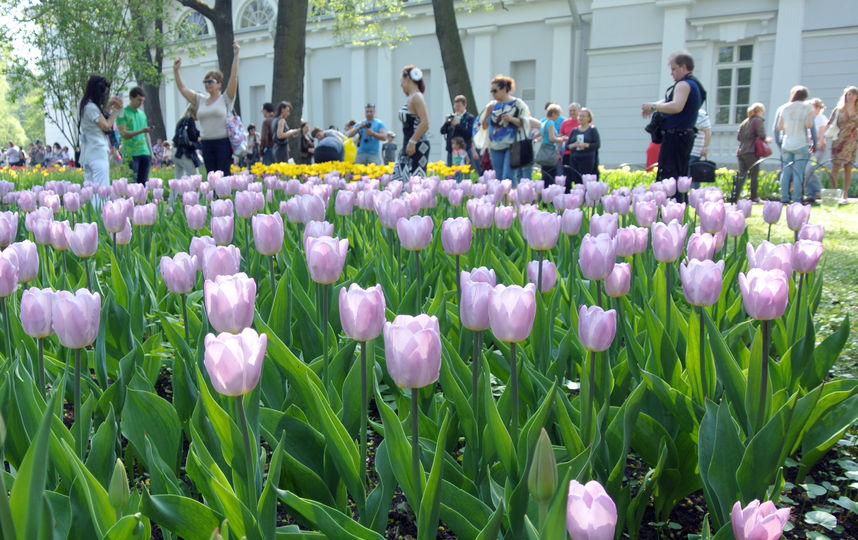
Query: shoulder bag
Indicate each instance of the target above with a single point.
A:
(832, 131)
(521, 151)
(547, 154)
(235, 130)
(702, 170)
(761, 147)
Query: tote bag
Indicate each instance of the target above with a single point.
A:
(235, 131)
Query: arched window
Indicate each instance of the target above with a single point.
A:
(193, 25)
(256, 13)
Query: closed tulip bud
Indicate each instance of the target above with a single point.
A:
(619, 282)
(196, 217)
(315, 229)
(549, 275)
(768, 256)
(810, 231)
(192, 198)
(512, 311)
(758, 521)
(606, 224)
(734, 223)
(625, 242)
(83, 239)
(118, 493)
(764, 293)
(672, 210)
(542, 230)
(268, 233)
(229, 302)
(570, 222)
(8, 228)
(745, 206)
(477, 287)
(220, 261)
(114, 214)
(456, 235)
(42, 231)
(28, 260)
(222, 229)
(362, 312)
(179, 273)
(591, 514)
(669, 185)
(596, 328)
(75, 318)
(412, 349)
(455, 197)
(481, 213)
(542, 478)
(123, 237)
(144, 215)
(234, 361)
(8, 272)
(701, 281)
(645, 212)
(683, 184)
(36, 309)
(59, 240)
(597, 256)
(325, 258)
(712, 216)
(415, 233)
(504, 216)
(390, 211)
(245, 204)
(344, 204)
(668, 240)
(797, 215)
(198, 245)
(772, 211)
(806, 255)
(221, 208)
(701, 246)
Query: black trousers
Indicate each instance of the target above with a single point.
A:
(217, 155)
(674, 153)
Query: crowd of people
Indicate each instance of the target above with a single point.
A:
(36, 154)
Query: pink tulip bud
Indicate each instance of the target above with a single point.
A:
(668, 240)
(806, 255)
(325, 258)
(481, 213)
(735, 223)
(745, 206)
(234, 361)
(619, 282)
(758, 521)
(36, 308)
(198, 245)
(712, 216)
(179, 272)
(123, 237)
(222, 229)
(8, 228)
(541, 230)
(83, 239)
(797, 215)
(41, 230)
(570, 222)
(71, 201)
(596, 327)
(683, 184)
(456, 235)
(504, 216)
(772, 211)
(701, 281)
(144, 215)
(220, 261)
(701, 246)
(75, 318)
(196, 216)
(315, 229)
(597, 256)
(8, 272)
(606, 224)
(645, 212)
(59, 240)
(477, 287)
(245, 204)
(114, 214)
(362, 312)
(222, 207)
(28, 260)
(412, 349)
(764, 293)
(768, 256)
(455, 197)
(669, 185)
(549, 275)
(590, 512)
(415, 233)
(512, 311)
(229, 302)
(344, 203)
(672, 210)
(268, 233)
(808, 231)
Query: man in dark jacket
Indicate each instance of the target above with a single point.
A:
(458, 124)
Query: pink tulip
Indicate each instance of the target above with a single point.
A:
(512, 311)
(325, 258)
(41, 229)
(669, 185)
(59, 240)
(144, 215)
(671, 211)
(83, 239)
(797, 215)
(245, 204)
(192, 198)
(597, 256)
(412, 349)
(772, 211)
(758, 521)
(8, 228)
(456, 235)
(712, 216)
(504, 216)
(481, 213)
(8, 272)
(619, 282)
(768, 256)
(362, 312)
(114, 214)
(701, 281)
(455, 197)
(541, 230)
(764, 293)
(179, 272)
(268, 233)
(344, 204)
(570, 222)
(28, 260)
(234, 361)
(683, 184)
(806, 255)
(606, 223)
(645, 212)
(734, 223)
(196, 217)
(221, 207)
(229, 302)
(549, 274)
(316, 229)
(596, 327)
(808, 231)
(668, 240)
(390, 211)
(415, 233)
(590, 512)
(75, 318)
(220, 261)
(36, 308)
(222, 229)
(71, 201)
(477, 287)
(198, 245)
(123, 237)
(745, 206)
(701, 246)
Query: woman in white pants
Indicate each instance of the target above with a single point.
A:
(97, 115)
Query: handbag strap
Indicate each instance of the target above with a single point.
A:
(521, 130)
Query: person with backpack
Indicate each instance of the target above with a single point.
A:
(185, 141)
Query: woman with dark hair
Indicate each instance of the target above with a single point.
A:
(583, 145)
(186, 139)
(795, 118)
(752, 127)
(307, 145)
(414, 156)
(507, 118)
(212, 112)
(97, 115)
(282, 132)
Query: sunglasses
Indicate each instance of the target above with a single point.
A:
(494, 90)
(209, 81)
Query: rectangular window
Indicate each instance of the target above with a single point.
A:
(733, 90)
(524, 73)
(257, 98)
(332, 101)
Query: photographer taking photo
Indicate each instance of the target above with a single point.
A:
(370, 132)
(460, 123)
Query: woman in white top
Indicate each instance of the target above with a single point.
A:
(94, 147)
(212, 113)
(795, 119)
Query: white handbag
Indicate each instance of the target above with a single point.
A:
(832, 131)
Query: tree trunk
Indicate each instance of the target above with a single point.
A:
(289, 52)
(452, 55)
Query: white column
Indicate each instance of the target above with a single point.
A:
(482, 61)
(786, 68)
(354, 84)
(385, 100)
(561, 60)
(672, 34)
(308, 111)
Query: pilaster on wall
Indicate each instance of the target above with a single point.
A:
(786, 66)
(386, 86)
(482, 60)
(355, 82)
(561, 55)
(673, 33)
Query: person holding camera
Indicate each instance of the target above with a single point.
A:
(134, 130)
(459, 123)
(369, 132)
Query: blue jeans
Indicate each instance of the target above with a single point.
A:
(500, 163)
(793, 164)
(140, 165)
(266, 156)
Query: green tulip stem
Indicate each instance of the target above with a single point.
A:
(703, 381)
(185, 317)
(417, 297)
(5, 309)
(65, 266)
(364, 407)
(599, 293)
(798, 308)
(769, 233)
(764, 378)
(140, 241)
(589, 431)
(250, 480)
(458, 283)
(513, 382)
(113, 245)
(415, 444)
(271, 276)
(78, 419)
(325, 289)
(88, 276)
(539, 256)
(41, 372)
(735, 247)
(246, 243)
(7, 527)
(475, 381)
(668, 288)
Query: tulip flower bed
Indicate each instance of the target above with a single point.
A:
(270, 358)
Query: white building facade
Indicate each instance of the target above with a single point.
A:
(609, 55)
